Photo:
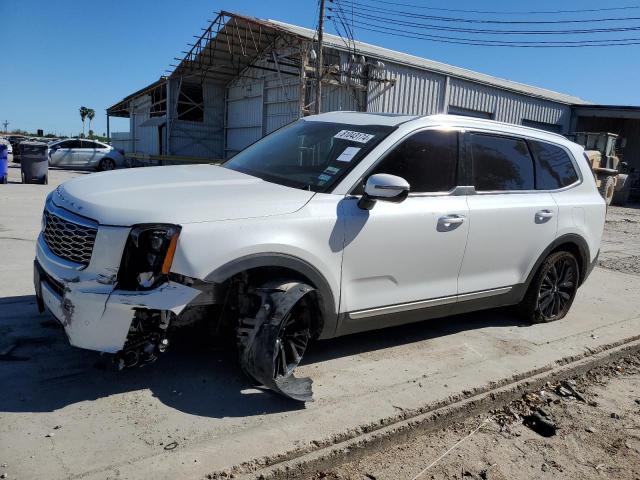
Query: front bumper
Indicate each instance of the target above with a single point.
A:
(95, 314)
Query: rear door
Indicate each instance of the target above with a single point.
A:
(510, 222)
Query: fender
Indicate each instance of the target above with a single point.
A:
(583, 248)
(327, 298)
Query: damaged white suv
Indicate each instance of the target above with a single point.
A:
(335, 224)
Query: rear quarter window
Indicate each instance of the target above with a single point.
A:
(501, 163)
(554, 168)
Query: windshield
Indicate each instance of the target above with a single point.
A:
(308, 154)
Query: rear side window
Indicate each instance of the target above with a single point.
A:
(428, 160)
(554, 168)
(501, 163)
(70, 144)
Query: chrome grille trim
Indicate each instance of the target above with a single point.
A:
(68, 236)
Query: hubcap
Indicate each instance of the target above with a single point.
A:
(291, 343)
(557, 288)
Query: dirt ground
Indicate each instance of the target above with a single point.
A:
(598, 436)
(621, 240)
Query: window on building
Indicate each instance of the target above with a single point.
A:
(554, 168)
(190, 102)
(428, 160)
(466, 112)
(549, 127)
(501, 163)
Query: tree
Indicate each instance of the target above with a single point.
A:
(91, 113)
(83, 115)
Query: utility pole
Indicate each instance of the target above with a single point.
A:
(6, 124)
(319, 66)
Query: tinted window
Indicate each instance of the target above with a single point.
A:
(90, 144)
(554, 168)
(501, 163)
(427, 160)
(70, 144)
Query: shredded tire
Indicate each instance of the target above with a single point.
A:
(268, 352)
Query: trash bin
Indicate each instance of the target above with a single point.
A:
(4, 168)
(34, 162)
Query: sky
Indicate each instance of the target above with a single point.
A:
(59, 55)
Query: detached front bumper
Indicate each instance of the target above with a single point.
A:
(96, 315)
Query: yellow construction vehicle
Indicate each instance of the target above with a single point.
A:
(610, 173)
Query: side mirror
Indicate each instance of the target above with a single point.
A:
(385, 187)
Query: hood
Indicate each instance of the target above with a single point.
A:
(176, 194)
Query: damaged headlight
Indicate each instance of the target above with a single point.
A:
(148, 256)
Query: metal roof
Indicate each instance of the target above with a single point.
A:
(232, 42)
(431, 65)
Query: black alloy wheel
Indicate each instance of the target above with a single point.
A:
(558, 288)
(292, 341)
(552, 290)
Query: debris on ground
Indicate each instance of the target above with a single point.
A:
(557, 431)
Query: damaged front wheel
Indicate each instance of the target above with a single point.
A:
(274, 338)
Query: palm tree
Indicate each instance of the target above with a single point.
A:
(83, 115)
(91, 113)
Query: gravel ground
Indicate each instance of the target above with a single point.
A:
(598, 436)
(621, 240)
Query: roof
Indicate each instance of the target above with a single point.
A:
(616, 111)
(232, 42)
(121, 108)
(431, 65)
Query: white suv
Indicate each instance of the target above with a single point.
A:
(335, 224)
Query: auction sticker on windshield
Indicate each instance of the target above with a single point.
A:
(353, 136)
(348, 154)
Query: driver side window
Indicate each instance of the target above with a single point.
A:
(428, 160)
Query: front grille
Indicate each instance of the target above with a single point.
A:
(69, 240)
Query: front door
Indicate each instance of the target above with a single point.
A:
(399, 255)
(511, 223)
(62, 153)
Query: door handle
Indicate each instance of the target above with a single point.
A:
(544, 213)
(449, 222)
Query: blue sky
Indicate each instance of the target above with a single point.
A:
(61, 54)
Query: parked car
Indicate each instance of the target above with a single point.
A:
(336, 224)
(15, 145)
(82, 153)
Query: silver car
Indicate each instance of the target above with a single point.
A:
(82, 153)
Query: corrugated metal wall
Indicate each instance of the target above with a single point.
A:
(415, 92)
(244, 115)
(507, 106)
(263, 100)
(144, 139)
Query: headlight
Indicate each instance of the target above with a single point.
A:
(148, 256)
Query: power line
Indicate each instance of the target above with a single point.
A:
(510, 12)
(387, 19)
(438, 18)
(385, 29)
(460, 41)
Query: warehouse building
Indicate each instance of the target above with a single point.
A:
(245, 77)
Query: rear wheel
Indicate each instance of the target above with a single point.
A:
(607, 188)
(552, 289)
(106, 164)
